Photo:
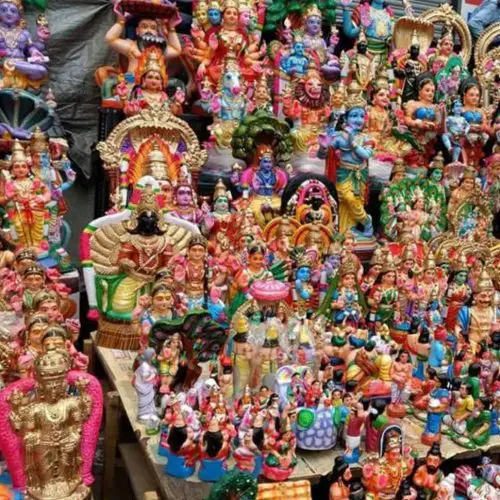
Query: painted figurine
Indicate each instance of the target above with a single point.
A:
(145, 382)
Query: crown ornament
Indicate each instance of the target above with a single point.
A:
(355, 96)
(18, 153)
(313, 10)
(53, 365)
(39, 143)
(348, 267)
(485, 283)
(148, 203)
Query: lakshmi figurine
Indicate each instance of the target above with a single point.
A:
(382, 476)
(381, 123)
(49, 439)
(444, 49)
(227, 41)
(352, 149)
(26, 198)
(151, 81)
(423, 118)
(479, 131)
(377, 19)
(384, 295)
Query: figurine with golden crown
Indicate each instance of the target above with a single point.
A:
(49, 439)
(26, 198)
(347, 165)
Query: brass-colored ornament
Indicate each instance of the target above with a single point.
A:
(487, 69)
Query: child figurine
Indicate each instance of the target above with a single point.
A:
(401, 374)
(353, 430)
(457, 128)
(225, 379)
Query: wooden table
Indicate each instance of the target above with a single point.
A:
(311, 465)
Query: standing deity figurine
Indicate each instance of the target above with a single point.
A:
(27, 198)
(50, 425)
(349, 165)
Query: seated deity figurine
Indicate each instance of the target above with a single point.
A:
(444, 49)
(186, 207)
(143, 243)
(348, 166)
(383, 475)
(307, 103)
(151, 81)
(226, 41)
(296, 63)
(27, 198)
(24, 64)
(263, 184)
(49, 439)
(158, 31)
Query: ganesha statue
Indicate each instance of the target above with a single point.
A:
(122, 253)
(49, 431)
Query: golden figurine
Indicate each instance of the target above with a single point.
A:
(50, 442)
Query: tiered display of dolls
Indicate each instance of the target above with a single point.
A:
(283, 312)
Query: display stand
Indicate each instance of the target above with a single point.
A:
(311, 465)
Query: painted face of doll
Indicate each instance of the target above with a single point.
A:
(303, 274)
(337, 99)
(147, 27)
(461, 277)
(245, 19)
(256, 260)
(457, 108)
(33, 282)
(349, 280)
(20, 170)
(9, 14)
(214, 16)
(446, 46)
(231, 17)
(35, 335)
(468, 184)
(381, 98)
(471, 97)
(163, 301)
(313, 88)
(298, 48)
(266, 163)
(356, 118)
(152, 81)
(389, 278)
(197, 253)
(313, 25)
(221, 205)
(437, 175)
(184, 196)
(426, 93)
(51, 309)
